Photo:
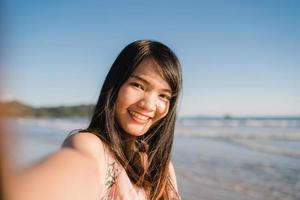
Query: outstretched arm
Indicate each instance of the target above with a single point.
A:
(72, 173)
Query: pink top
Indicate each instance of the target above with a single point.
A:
(117, 185)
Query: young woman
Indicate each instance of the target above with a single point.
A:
(125, 153)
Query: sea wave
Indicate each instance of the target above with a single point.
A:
(220, 122)
(263, 148)
(65, 124)
(235, 134)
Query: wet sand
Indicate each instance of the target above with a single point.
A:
(214, 162)
(211, 169)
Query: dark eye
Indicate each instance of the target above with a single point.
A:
(137, 85)
(165, 96)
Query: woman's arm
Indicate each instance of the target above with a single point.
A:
(75, 172)
(173, 175)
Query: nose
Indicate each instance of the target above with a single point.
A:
(148, 102)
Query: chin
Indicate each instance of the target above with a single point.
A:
(136, 133)
(133, 131)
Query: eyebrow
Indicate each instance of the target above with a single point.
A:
(148, 83)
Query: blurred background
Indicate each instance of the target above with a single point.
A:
(238, 131)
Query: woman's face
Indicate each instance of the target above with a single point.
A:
(143, 99)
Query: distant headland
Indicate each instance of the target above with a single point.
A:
(19, 109)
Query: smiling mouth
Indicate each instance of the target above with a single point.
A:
(138, 117)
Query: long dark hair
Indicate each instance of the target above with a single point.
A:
(148, 168)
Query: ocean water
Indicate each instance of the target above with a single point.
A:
(214, 159)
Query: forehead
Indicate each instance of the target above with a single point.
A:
(149, 70)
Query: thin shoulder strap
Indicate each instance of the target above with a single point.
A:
(105, 191)
(171, 190)
(105, 157)
(111, 175)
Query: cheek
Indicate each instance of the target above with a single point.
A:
(123, 92)
(126, 97)
(163, 109)
(121, 101)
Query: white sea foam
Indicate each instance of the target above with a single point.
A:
(264, 122)
(56, 123)
(271, 149)
(225, 133)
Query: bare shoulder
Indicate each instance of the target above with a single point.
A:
(173, 175)
(86, 143)
(91, 147)
(77, 171)
(171, 167)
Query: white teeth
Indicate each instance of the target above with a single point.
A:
(139, 116)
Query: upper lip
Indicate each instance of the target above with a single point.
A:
(146, 115)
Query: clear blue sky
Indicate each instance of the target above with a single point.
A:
(238, 57)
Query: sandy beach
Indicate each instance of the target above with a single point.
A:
(214, 159)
